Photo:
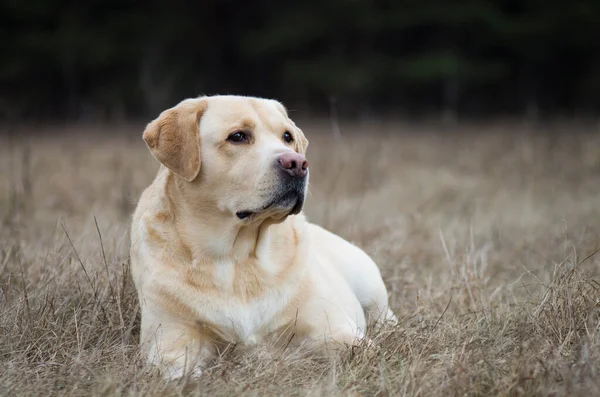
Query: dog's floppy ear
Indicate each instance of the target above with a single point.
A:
(174, 137)
(301, 140)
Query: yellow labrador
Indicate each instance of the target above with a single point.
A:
(220, 251)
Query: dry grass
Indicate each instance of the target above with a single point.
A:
(485, 240)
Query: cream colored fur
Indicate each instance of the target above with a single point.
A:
(206, 278)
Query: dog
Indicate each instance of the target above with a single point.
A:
(221, 252)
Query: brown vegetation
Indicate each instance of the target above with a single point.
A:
(486, 241)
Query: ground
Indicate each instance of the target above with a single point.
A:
(485, 236)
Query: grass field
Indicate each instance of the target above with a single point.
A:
(485, 236)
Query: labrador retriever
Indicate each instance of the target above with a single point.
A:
(220, 250)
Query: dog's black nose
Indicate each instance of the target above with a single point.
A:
(294, 164)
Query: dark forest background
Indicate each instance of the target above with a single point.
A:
(70, 60)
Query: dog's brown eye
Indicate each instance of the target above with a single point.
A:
(287, 137)
(238, 137)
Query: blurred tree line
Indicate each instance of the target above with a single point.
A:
(110, 59)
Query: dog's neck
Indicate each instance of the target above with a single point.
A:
(199, 222)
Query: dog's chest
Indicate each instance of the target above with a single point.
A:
(246, 308)
(249, 321)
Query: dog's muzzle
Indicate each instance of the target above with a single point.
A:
(288, 196)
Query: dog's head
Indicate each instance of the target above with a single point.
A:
(239, 155)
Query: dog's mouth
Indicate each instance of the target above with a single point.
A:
(289, 201)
